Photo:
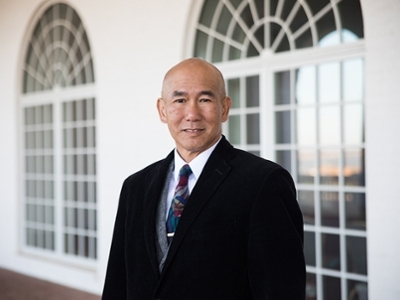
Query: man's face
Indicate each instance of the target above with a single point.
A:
(194, 105)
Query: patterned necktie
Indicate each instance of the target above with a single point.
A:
(178, 202)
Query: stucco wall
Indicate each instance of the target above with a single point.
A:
(382, 35)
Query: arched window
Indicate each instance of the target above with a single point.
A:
(295, 73)
(237, 29)
(59, 138)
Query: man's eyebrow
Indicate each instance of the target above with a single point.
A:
(207, 93)
(201, 93)
(178, 93)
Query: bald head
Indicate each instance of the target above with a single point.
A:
(192, 69)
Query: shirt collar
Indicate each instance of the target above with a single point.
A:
(196, 165)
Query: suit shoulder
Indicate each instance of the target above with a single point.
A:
(143, 173)
(246, 158)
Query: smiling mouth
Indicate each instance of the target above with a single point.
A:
(194, 130)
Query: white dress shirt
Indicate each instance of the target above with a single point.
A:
(196, 165)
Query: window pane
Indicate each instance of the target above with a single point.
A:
(354, 123)
(218, 48)
(49, 190)
(284, 159)
(48, 114)
(238, 34)
(351, 17)
(304, 40)
(306, 126)
(223, 21)
(309, 248)
(208, 12)
(253, 128)
(355, 211)
(30, 140)
(357, 290)
(356, 250)
(48, 164)
(201, 44)
(252, 51)
(330, 251)
(30, 213)
(282, 127)
(329, 82)
(331, 288)
(353, 83)
(354, 167)
(329, 209)
(247, 17)
(259, 35)
(234, 91)
(48, 139)
(29, 116)
(306, 85)
(234, 53)
(329, 126)
(306, 201)
(234, 129)
(39, 115)
(252, 91)
(311, 287)
(306, 169)
(282, 87)
(30, 164)
(329, 167)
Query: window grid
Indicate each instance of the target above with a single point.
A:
(234, 29)
(58, 52)
(244, 114)
(39, 176)
(59, 138)
(326, 189)
(79, 178)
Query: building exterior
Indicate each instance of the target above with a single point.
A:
(314, 86)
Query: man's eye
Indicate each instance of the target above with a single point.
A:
(179, 100)
(205, 100)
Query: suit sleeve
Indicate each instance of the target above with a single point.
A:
(276, 263)
(115, 281)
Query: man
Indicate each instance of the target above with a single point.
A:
(239, 235)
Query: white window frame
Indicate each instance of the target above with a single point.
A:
(56, 96)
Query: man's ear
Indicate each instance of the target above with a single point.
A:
(226, 105)
(161, 110)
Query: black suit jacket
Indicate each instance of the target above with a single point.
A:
(239, 237)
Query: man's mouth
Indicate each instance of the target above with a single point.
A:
(194, 130)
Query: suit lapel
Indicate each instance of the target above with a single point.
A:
(213, 174)
(152, 199)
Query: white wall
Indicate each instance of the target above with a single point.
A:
(382, 35)
(9, 45)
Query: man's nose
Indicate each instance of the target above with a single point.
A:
(192, 111)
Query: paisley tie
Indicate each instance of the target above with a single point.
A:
(178, 202)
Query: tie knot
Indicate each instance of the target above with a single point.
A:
(185, 171)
